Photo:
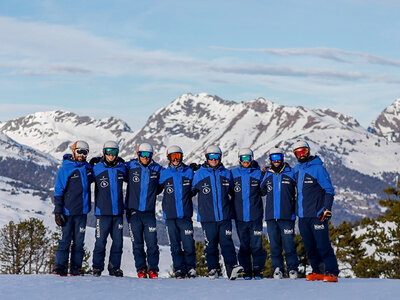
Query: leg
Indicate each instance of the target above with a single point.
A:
(77, 251)
(287, 233)
(211, 239)
(103, 227)
(64, 242)
(175, 245)
(136, 232)
(306, 232)
(244, 255)
(275, 244)
(226, 243)
(258, 252)
(117, 242)
(323, 244)
(150, 236)
(189, 250)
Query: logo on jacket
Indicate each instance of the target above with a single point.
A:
(74, 176)
(237, 188)
(187, 182)
(269, 186)
(225, 182)
(254, 183)
(206, 189)
(308, 180)
(103, 182)
(135, 177)
(169, 188)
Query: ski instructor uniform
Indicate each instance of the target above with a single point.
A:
(314, 204)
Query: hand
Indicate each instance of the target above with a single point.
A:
(121, 160)
(94, 160)
(60, 219)
(128, 212)
(194, 166)
(325, 215)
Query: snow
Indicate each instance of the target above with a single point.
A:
(105, 287)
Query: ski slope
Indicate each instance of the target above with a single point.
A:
(105, 287)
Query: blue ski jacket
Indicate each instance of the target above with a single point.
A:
(214, 188)
(247, 199)
(177, 186)
(143, 185)
(280, 191)
(108, 188)
(72, 190)
(314, 188)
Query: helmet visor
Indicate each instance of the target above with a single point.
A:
(144, 154)
(211, 156)
(111, 151)
(276, 157)
(83, 152)
(173, 156)
(299, 152)
(247, 158)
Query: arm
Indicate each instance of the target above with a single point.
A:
(59, 190)
(324, 181)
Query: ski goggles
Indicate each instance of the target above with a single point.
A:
(111, 151)
(276, 157)
(303, 151)
(83, 152)
(211, 156)
(173, 156)
(144, 154)
(247, 158)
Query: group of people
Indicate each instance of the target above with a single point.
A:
(223, 195)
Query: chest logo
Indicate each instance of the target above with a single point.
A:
(237, 187)
(103, 182)
(169, 188)
(206, 189)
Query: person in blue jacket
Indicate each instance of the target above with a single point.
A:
(109, 174)
(176, 181)
(72, 204)
(214, 186)
(314, 205)
(249, 214)
(279, 186)
(143, 187)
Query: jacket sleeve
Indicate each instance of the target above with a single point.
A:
(195, 189)
(263, 185)
(324, 181)
(59, 190)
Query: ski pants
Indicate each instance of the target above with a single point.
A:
(251, 254)
(219, 233)
(180, 234)
(73, 231)
(282, 232)
(143, 228)
(105, 226)
(315, 235)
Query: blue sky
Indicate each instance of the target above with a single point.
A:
(129, 58)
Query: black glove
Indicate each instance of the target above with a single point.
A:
(325, 215)
(194, 166)
(121, 160)
(60, 219)
(129, 212)
(94, 160)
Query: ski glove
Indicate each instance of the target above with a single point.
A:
(129, 212)
(95, 160)
(60, 219)
(325, 215)
(194, 166)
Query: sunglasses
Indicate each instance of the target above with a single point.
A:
(173, 156)
(212, 156)
(301, 152)
(111, 151)
(81, 152)
(276, 157)
(247, 158)
(144, 154)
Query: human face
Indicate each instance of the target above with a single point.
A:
(301, 154)
(80, 154)
(245, 160)
(175, 158)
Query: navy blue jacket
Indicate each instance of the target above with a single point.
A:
(280, 191)
(177, 185)
(108, 188)
(72, 190)
(214, 188)
(143, 185)
(314, 188)
(247, 199)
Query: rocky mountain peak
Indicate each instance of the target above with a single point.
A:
(387, 124)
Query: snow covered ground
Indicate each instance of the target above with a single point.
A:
(105, 287)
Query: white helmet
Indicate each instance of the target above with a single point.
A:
(245, 151)
(80, 145)
(275, 151)
(213, 149)
(300, 144)
(111, 144)
(145, 147)
(174, 149)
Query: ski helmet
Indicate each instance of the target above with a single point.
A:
(245, 151)
(276, 154)
(301, 150)
(145, 147)
(82, 145)
(111, 145)
(300, 144)
(213, 149)
(174, 149)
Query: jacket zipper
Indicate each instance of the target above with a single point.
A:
(216, 194)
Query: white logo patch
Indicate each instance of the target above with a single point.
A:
(135, 178)
(228, 232)
(152, 229)
(269, 188)
(103, 182)
(319, 227)
(169, 189)
(287, 231)
(237, 187)
(256, 233)
(82, 229)
(120, 226)
(206, 189)
(188, 232)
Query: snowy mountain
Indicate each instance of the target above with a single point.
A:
(387, 124)
(53, 132)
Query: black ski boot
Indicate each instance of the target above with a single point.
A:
(60, 271)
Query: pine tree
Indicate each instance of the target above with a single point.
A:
(201, 263)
